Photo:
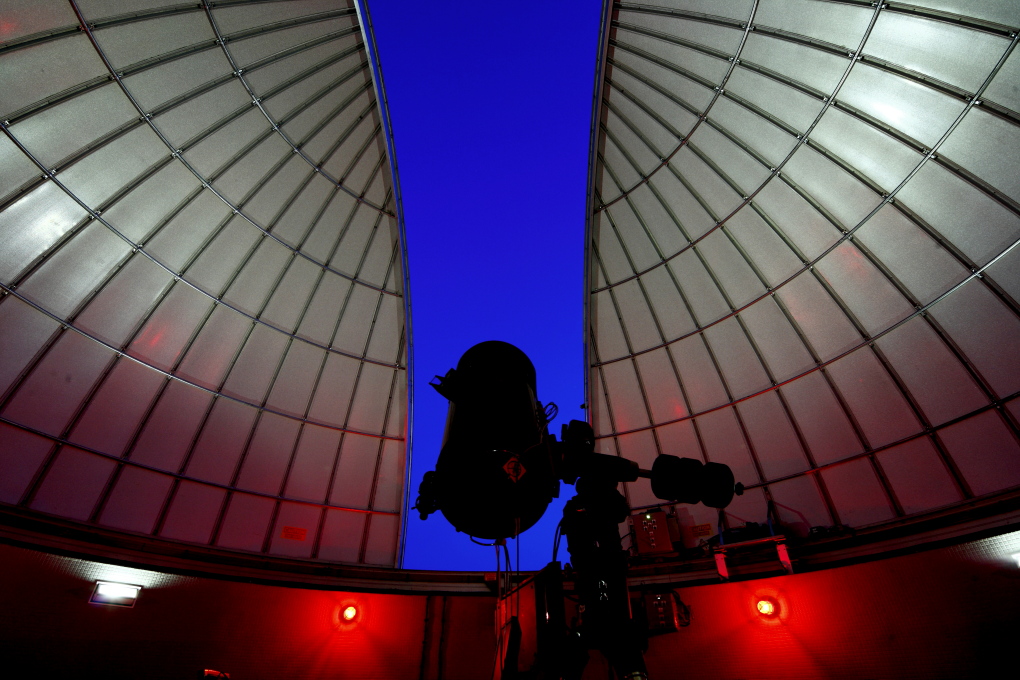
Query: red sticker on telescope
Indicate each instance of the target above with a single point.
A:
(514, 469)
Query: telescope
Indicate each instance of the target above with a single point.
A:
(499, 468)
(497, 472)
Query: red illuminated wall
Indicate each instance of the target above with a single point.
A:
(946, 613)
(49, 629)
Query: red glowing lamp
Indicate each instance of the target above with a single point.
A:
(767, 607)
(350, 612)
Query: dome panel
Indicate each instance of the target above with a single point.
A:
(611, 343)
(29, 83)
(22, 453)
(783, 351)
(774, 98)
(981, 228)
(163, 85)
(685, 209)
(800, 504)
(772, 435)
(642, 331)
(857, 493)
(113, 414)
(922, 46)
(628, 402)
(667, 304)
(872, 299)
(659, 378)
(139, 40)
(987, 332)
(877, 156)
(739, 281)
(919, 476)
(977, 145)
(985, 452)
(839, 25)
(984, 10)
(703, 385)
(263, 469)
(736, 358)
(1004, 89)
(798, 221)
(193, 513)
(72, 484)
(135, 501)
(796, 62)
(172, 424)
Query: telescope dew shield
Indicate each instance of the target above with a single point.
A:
(494, 477)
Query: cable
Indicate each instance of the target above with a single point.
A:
(479, 542)
(683, 612)
(497, 659)
(556, 539)
(517, 566)
(551, 411)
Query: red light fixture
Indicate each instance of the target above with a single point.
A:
(347, 615)
(767, 607)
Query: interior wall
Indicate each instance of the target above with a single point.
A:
(945, 613)
(181, 625)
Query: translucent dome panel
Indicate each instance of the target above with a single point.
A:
(203, 319)
(803, 257)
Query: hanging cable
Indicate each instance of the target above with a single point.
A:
(517, 566)
(506, 553)
(497, 660)
(550, 412)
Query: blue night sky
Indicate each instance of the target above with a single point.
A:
(491, 109)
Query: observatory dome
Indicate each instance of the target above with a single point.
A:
(203, 314)
(802, 255)
(802, 260)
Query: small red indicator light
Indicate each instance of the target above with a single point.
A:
(767, 607)
(350, 613)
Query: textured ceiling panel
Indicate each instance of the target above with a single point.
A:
(203, 318)
(803, 251)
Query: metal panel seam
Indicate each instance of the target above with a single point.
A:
(368, 36)
(596, 116)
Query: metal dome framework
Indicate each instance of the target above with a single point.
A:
(802, 252)
(204, 312)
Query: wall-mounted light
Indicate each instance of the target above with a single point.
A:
(1016, 556)
(116, 594)
(348, 615)
(767, 606)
